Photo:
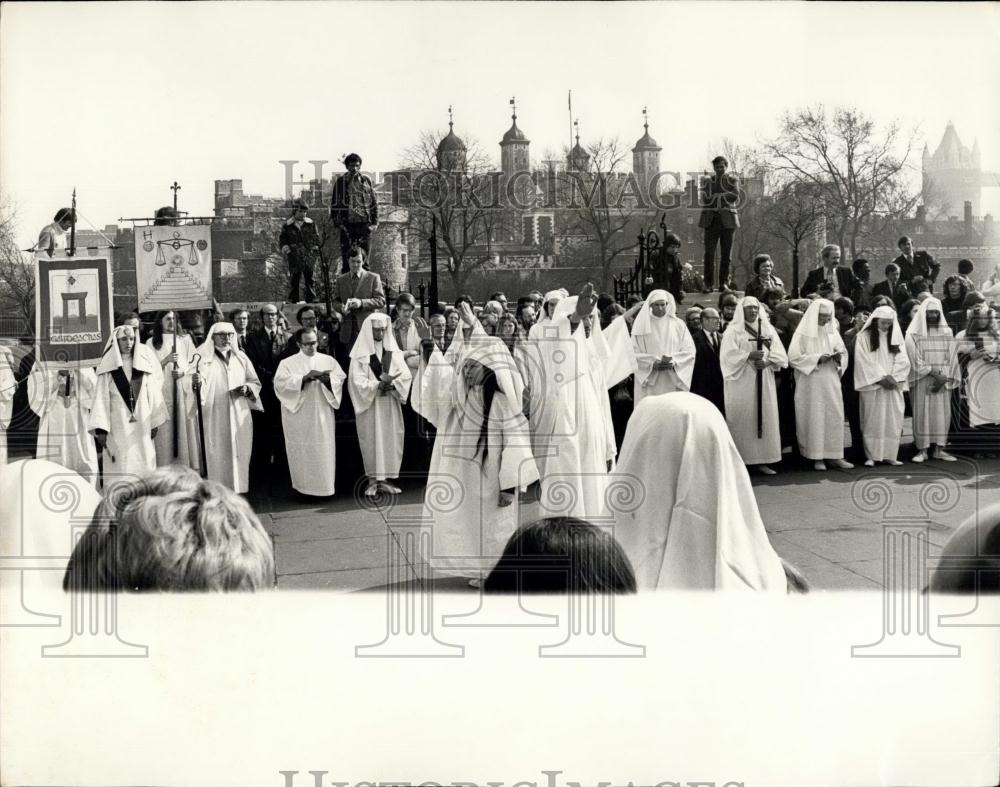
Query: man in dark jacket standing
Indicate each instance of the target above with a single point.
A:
(268, 460)
(841, 278)
(912, 264)
(719, 219)
(666, 269)
(299, 243)
(706, 380)
(354, 209)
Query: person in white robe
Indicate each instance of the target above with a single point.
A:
(229, 389)
(174, 365)
(929, 347)
(128, 407)
(62, 399)
(534, 382)
(8, 386)
(881, 369)
(309, 386)
(378, 382)
(576, 438)
(819, 358)
(482, 458)
(978, 348)
(664, 349)
(741, 361)
(691, 521)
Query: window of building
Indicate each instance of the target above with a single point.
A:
(402, 260)
(247, 245)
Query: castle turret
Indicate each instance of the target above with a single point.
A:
(514, 158)
(451, 151)
(952, 176)
(645, 158)
(578, 159)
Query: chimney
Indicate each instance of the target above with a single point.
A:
(968, 214)
(921, 215)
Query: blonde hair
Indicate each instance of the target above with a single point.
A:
(172, 531)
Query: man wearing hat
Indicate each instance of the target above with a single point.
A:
(353, 208)
(299, 244)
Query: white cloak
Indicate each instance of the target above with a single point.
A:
(690, 520)
(930, 349)
(881, 408)
(8, 385)
(982, 385)
(62, 428)
(379, 415)
(652, 338)
(187, 432)
(307, 416)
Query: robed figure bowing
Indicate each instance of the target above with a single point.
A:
(229, 390)
(63, 398)
(481, 460)
(664, 349)
(128, 405)
(742, 363)
(309, 386)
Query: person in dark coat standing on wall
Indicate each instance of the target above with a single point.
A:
(720, 219)
(299, 243)
(666, 269)
(354, 209)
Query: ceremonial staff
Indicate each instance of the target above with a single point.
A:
(201, 418)
(760, 342)
(177, 415)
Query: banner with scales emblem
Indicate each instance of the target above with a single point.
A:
(173, 267)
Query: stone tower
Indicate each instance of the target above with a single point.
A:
(952, 176)
(645, 158)
(451, 151)
(514, 159)
(578, 159)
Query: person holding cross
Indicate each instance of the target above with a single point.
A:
(750, 355)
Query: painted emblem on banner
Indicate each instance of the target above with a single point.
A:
(173, 267)
(73, 320)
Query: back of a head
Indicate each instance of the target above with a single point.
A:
(561, 555)
(172, 531)
(970, 559)
(965, 267)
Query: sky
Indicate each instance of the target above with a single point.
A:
(120, 99)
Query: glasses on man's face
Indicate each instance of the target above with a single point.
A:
(309, 344)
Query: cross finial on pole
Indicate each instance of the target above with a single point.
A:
(513, 105)
(451, 121)
(645, 119)
(576, 128)
(175, 188)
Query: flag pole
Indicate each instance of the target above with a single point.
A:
(72, 227)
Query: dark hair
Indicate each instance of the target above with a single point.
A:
(918, 284)
(717, 159)
(632, 300)
(158, 327)
(882, 300)
(973, 298)
(302, 310)
(724, 295)
(490, 388)
(902, 240)
(407, 298)
(463, 298)
(164, 216)
(351, 158)
(844, 304)
(858, 263)
(891, 267)
(603, 302)
(235, 312)
(773, 292)
(672, 239)
(965, 267)
(561, 555)
(874, 338)
(302, 332)
(299, 204)
(759, 260)
(64, 213)
(609, 313)
(495, 296)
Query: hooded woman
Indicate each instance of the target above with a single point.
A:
(977, 358)
(695, 523)
(175, 365)
(379, 381)
(741, 362)
(819, 358)
(128, 405)
(932, 376)
(664, 349)
(230, 390)
(482, 457)
(881, 368)
(63, 398)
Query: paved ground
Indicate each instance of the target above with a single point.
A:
(827, 524)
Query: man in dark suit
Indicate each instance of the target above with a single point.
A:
(264, 347)
(912, 264)
(719, 219)
(841, 278)
(353, 208)
(706, 380)
(892, 287)
(356, 294)
(307, 318)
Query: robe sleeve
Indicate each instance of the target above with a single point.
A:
(683, 356)
(840, 347)
(866, 369)
(919, 367)
(288, 387)
(623, 361)
(435, 397)
(645, 372)
(517, 464)
(40, 390)
(775, 355)
(362, 385)
(158, 414)
(335, 392)
(100, 413)
(401, 385)
(732, 355)
(901, 369)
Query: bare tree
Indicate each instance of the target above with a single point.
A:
(600, 206)
(792, 215)
(17, 272)
(461, 209)
(844, 155)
